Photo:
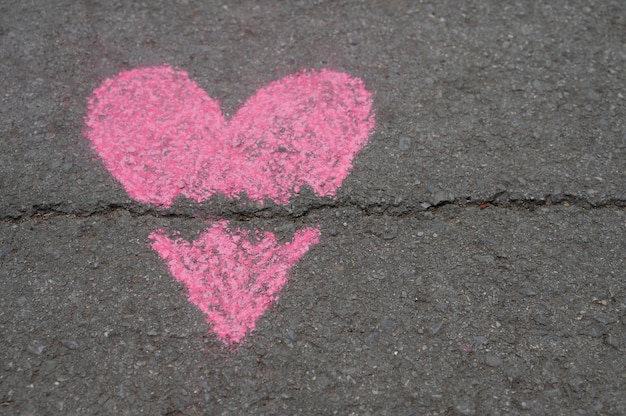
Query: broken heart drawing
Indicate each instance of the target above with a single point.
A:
(162, 137)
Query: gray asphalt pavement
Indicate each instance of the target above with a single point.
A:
(472, 263)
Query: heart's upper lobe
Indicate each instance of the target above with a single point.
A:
(162, 136)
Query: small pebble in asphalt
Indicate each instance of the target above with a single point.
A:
(493, 360)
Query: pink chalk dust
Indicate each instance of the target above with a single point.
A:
(162, 136)
(232, 276)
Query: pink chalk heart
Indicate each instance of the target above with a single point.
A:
(162, 136)
(231, 276)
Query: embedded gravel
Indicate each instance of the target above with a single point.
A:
(472, 263)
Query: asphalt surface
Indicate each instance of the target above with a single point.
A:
(472, 263)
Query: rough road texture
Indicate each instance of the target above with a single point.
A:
(472, 262)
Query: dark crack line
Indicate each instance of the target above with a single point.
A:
(498, 200)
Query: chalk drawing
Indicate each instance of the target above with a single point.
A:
(231, 276)
(162, 137)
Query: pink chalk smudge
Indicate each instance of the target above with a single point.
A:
(232, 276)
(162, 136)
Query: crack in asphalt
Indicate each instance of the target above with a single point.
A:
(499, 200)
